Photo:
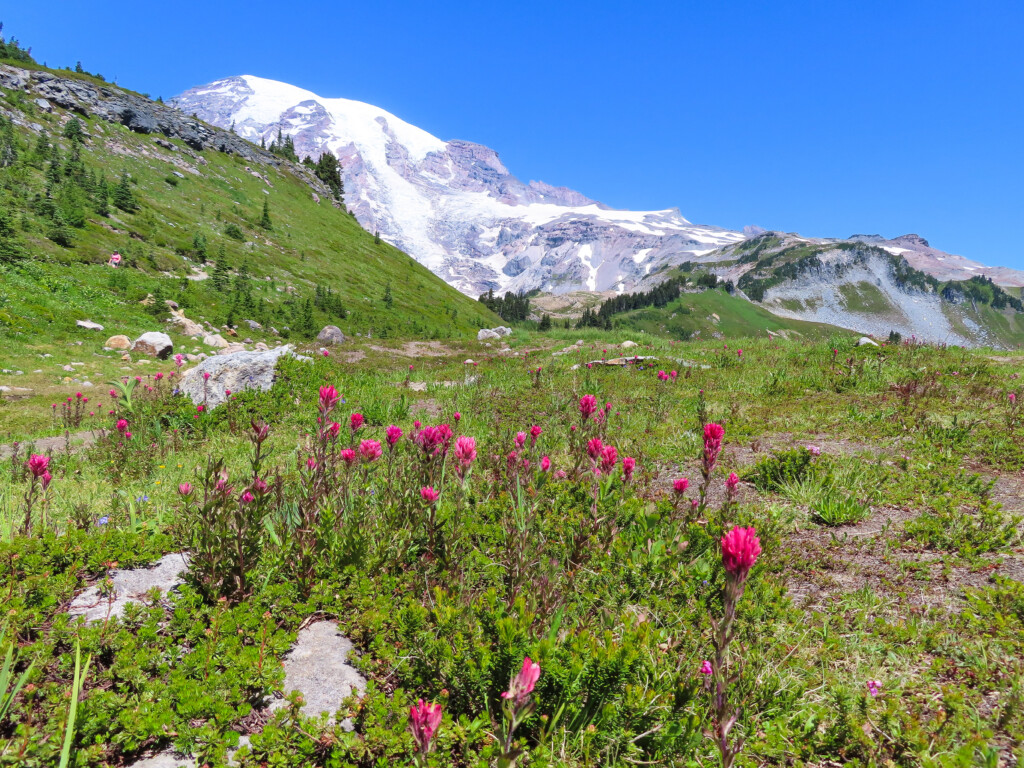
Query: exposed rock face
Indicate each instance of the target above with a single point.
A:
(237, 372)
(114, 105)
(331, 334)
(154, 344)
(118, 342)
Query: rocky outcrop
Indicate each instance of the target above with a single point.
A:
(493, 333)
(142, 115)
(183, 325)
(331, 334)
(154, 344)
(237, 372)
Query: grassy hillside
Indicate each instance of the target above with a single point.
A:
(714, 314)
(197, 216)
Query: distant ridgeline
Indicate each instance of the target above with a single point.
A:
(795, 261)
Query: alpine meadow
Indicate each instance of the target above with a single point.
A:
(325, 442)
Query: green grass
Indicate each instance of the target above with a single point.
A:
(310, 244)
(925, 606)
(692, 314)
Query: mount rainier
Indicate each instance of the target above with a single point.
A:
(453, 206)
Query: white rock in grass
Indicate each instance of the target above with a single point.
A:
(130, 585)
(864, 341)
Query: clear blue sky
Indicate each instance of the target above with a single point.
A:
(824, 118)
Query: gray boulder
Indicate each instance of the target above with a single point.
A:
(154, 344)
(239, 372)
(486, 333)
(864, 341)
(331, 334)
(89, 325)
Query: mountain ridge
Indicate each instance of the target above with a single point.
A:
(455, 207)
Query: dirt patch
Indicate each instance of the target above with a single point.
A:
(830, 564)
(77, 441)
(355, 356)
(417, 349)
(430, 408)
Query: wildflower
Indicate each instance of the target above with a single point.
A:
(740, 548)
(588, 404)
(328, 399)
(247, 498)
(200, 408)
(103, 520)
(594, 448)
(545, 464)
(713, 434)
(673, 374)
(739, 353)
(45, 479)
(112, 393)
(814, 450)
(1013, 398)
(355, 421)
(628, 466)
(179, 360)
(609, 458)
(520, 439)
(38, 465)
(522, 685)
(78, 395)
(185, 489)
(417, 424)
(127, 435)
(730, 484)
(260, 485)
(428, 494)
(333, 429)
(465, 450)
(874, 687)
(348, 456)
(122, 425)
(260, 431)
(457, 416)
(535, 432)
(424, 720)
(158, 376)
(705, 668)
(392, 435)
(310, 463)
(206, 375)
(370, 450)
(680, 485)
(325, 353)
(227, 392)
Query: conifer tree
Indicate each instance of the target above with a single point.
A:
(265, 222)
(545, 323)
(199, 247)
(388, 299)
(11, 248)
(122, 195)
(59, 231)
(73, 130)
(219, 279)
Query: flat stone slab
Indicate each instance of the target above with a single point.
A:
(317, 665)
(165, 760)
(130, 586)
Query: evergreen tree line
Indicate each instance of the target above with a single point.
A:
(70, 189)
(514, 307)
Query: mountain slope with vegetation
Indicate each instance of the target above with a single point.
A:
(227, 230)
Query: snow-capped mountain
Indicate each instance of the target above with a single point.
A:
(452, 205)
